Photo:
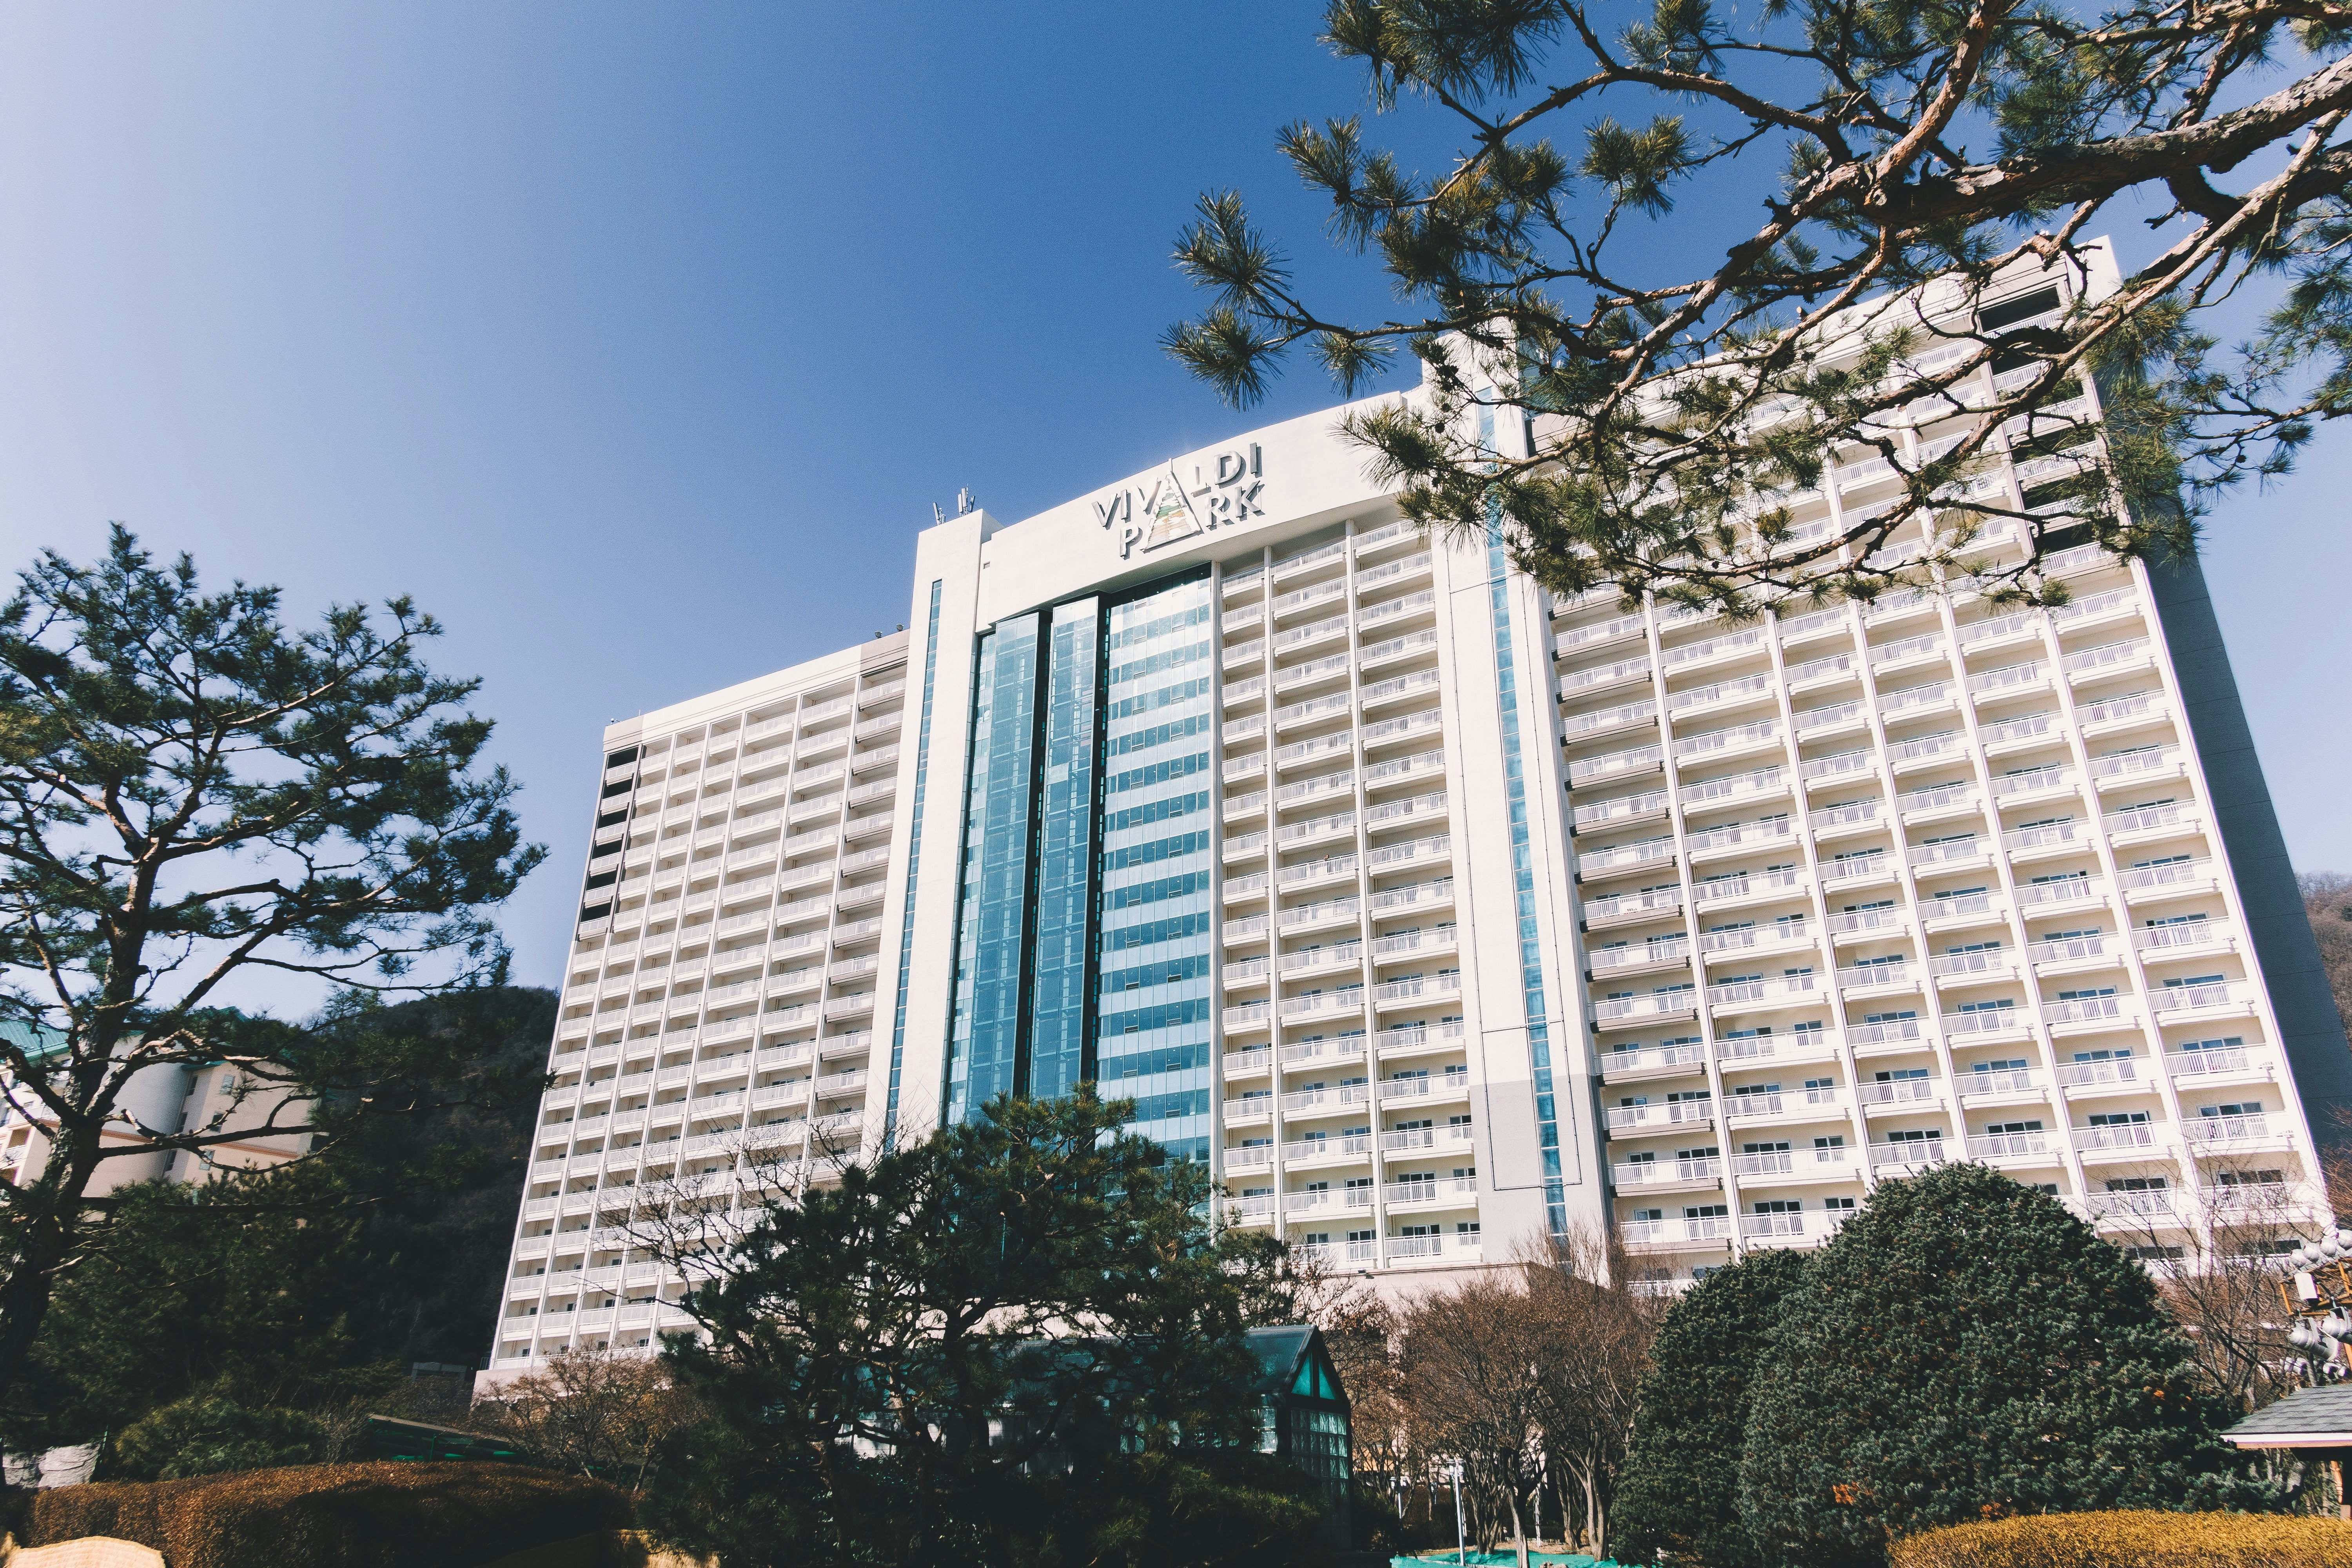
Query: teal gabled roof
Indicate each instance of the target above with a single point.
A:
(34, 1040)
(1293, 1361)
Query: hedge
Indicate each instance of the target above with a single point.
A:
(379, 1515)
(2132, 1537)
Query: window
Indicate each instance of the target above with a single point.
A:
(1705, 1211)
(2119, 1118)
(1833, 1141)
(1778, 1205)
(1836, 1203)
(1919, 1135)
(1908, 1013)
(2010, 1129)
(1709, 1152)
(2136, 1185)
(2236, 1108)
(1894, 1075)
(2010, 1064)
(2249, 1178)
(1465, 1227)
(1779, 1148)
(2228, 1043)
(2088, 995)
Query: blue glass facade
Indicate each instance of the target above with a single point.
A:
(984, 1034)
(1061, 963)
(1092, 732)
(1158, 862)
(914, 863)
(1523, 871)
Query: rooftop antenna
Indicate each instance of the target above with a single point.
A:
(937, 515)
(965, 502)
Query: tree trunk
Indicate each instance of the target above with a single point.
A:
(49, 1239)
(1519, 1526)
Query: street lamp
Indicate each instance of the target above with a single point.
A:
(1461, 1532)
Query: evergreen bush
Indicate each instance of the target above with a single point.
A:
(1680, 1492)
(1966, 1348)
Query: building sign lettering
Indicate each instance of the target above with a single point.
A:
(1224, 490)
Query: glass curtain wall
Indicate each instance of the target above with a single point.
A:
(1159, 861)
(983, 1046)
(1084, 939)
(1062, 970)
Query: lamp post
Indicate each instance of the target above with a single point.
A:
(1460, 1532)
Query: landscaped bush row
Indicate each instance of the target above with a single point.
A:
(346, 1516)
(2132, 1537)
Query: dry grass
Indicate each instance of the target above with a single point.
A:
(381, 1515)
(2132, 1537)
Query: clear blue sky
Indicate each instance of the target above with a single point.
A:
(637, 342)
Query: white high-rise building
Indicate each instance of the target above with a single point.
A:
(1434, 913)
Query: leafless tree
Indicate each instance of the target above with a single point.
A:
(1598, 1331)
(594, 1412)
(2217, 1269)
(2327, 900)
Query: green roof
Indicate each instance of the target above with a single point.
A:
(33, 1039)
(1294, 1361)
(2307, 1418)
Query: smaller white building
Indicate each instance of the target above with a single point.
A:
(164, 1099)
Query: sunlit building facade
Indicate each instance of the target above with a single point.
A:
(1434, 913)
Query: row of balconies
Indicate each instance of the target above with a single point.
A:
(1338, 746)
(1343, 1147)
(1345, 1001)
(1386, 1045)
(1392, 573)
(1453, 1083)
(1345, 954)
(1671, 1003)
(2163, 1207)
(1428, 1192)
(1889, 656)
(2200, 939)
(625, 973)
(2010, 681)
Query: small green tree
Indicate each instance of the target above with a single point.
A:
(1966, 1348)
(190, 792)
(313, 1284)
(967, 1350)
(1679, 1493)
(207, 1435)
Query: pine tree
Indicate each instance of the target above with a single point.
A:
(1679, 1493)
(1968, 1349)
(1672, 403)
(190, 791)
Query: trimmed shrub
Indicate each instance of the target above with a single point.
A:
(1966, 1348)
(2132, 1537)
(383, 1515)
